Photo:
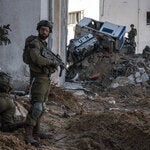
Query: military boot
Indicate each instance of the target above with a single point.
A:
(43, 135)
(29, 136)
(39, 134)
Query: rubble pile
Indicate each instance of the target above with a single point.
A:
(9, 141)
(99, 54)
(110, 70)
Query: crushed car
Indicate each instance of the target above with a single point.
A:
(110, 35)
(91, 35)
(82, 47)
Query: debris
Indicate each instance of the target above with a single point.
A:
(20, 110)
(80, 48)
(19, 93)
(92, 60)
(109, 35)
(120, 81)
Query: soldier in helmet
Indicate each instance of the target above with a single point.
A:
(40, 82)
(131, 35)
(7, 106)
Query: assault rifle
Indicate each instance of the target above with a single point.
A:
(47, 53)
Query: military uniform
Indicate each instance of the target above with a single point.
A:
(39, 80)
(7, 106)
(40, 70)
(131, 35)
(7, 111)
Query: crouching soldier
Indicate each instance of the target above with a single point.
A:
(7, 106)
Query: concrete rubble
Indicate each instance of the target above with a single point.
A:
(92, 62)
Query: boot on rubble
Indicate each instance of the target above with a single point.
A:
(43, 135)
(29, 136)
(40, 134)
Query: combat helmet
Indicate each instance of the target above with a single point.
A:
(5, 82)
(45, 23)
(132, 25)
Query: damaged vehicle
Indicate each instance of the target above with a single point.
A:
(91, 37)
(110, 35)
(80, 48)
(96, 56)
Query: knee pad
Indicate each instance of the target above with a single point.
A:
(37, 110)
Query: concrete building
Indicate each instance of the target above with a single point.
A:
(77, 9)
(126, 12)
(23, 17)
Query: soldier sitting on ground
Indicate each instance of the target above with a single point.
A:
(7, 106)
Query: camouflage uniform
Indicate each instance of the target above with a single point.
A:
(131, 35)
(7, 106)
(7, 111)
(40, 72)
(39, 80)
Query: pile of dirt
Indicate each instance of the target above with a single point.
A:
(9, 141)
(62, 97)
(109, 120)
(115, 130)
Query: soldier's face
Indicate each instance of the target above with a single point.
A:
(44, 32)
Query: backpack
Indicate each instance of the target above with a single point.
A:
(26, 51)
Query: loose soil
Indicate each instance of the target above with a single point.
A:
(115, 119)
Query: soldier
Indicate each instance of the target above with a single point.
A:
(7, 106)
(131, 35)
(40, 82)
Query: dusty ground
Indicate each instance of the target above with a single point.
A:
(115, 119)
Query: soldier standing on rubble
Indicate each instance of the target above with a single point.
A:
(131, 35)
(40, 82)
(7, 106)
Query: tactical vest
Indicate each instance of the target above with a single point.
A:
(26, 51)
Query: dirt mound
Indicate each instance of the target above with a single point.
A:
(111, 130)
(62, 97)
(12, 141)
(111, 120)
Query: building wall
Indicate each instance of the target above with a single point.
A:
(144, 29)
(22, 17)
(126, 12)
(45, 10)
(60, 10)
(90, 9)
